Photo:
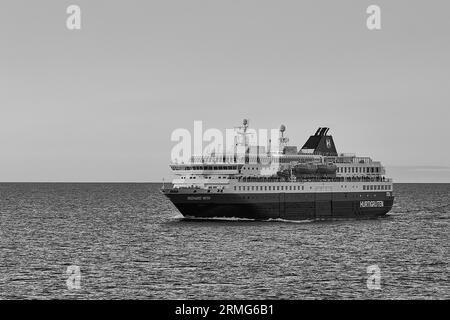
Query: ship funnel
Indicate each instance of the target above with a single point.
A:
(320, 143)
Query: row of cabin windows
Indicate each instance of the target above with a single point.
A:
(377, 187)
(268, 188)
(205, 167)
(290, 188)
(358, 169)
(218, 177)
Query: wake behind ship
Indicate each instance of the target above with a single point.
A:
(313, 183)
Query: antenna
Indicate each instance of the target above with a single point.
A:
(283, 140)
(245, 124)
(242, 131)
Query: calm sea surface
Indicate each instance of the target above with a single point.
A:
(130, 242)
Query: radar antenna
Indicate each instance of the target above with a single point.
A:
(242, 132)
(283, 140)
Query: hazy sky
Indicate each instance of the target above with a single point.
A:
(100, 104)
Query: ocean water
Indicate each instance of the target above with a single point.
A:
(129, 242)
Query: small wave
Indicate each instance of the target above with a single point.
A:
(289, 221)
(179, 216)
(245, 219)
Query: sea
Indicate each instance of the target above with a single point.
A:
(126, 241)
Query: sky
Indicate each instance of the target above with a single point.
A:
(100, 103)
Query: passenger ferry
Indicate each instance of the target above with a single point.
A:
(313, 183)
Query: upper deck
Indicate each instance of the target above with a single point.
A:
(318, 160)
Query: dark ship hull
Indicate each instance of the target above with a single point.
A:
(287, 206)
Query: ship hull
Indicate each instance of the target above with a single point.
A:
(287, 206)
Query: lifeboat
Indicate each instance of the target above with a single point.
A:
(328, 168)
(305, 168)
(285, 174)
